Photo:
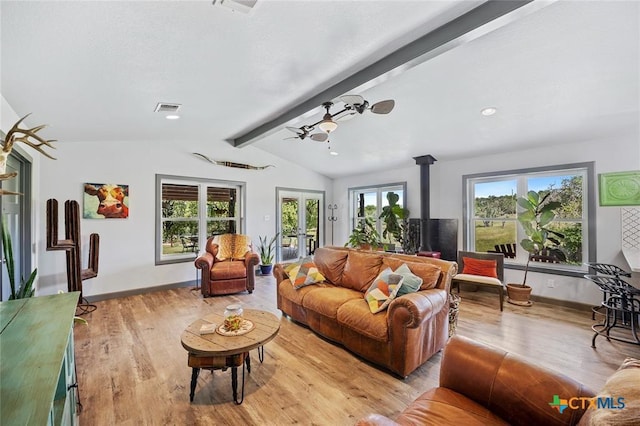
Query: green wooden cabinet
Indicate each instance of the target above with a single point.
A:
(37, 374)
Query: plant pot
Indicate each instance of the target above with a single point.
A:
(519, 295)
(266, 269)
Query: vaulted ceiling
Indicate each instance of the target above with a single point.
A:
(557, 72)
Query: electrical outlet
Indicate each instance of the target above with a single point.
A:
(551, 283)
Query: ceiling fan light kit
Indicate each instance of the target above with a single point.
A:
(352, 104)
(327, 124)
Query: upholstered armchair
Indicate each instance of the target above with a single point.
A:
(227, 265)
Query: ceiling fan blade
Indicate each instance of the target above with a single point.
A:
(383, 107)
(295, 130)
(320, 137)
(352, 99)
(292, 137)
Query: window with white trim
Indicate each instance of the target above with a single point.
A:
(367, 203)
(190, 210)
(491, 211)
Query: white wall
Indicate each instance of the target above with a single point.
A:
(127, 256)
(619, 153)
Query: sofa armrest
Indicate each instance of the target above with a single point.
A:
(278, 273)
(251, 260)
(514, 389)
(205, 262)
(414, 308)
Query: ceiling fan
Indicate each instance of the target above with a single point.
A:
(352, 104)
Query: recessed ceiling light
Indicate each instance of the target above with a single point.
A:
(172, 117)
(333, 153)
(488, 111)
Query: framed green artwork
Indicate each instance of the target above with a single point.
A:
(620, 188)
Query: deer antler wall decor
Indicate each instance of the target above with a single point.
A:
(26, 136)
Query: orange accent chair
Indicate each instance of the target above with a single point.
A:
(479, 277)
(231, 273)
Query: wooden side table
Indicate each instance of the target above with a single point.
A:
(217, 352)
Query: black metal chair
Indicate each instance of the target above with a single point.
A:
(608, 270)
(621, 310)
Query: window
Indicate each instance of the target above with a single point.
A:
(491, 214)
(191, 210)
(367, 203)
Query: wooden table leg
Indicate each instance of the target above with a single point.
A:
(194, 379)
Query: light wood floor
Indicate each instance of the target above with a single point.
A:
(133, 370)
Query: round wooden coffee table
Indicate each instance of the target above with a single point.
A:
(215, 351)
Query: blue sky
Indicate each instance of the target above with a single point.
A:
(508, 187)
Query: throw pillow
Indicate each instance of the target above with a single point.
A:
(303, 272)
(411, 282)
(383, 290)
(485, 268)
(622, 384)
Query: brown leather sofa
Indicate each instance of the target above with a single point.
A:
(225, 276)
(401, 338)
(482, 385)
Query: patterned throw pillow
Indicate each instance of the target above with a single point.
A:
(303, 272)
(383, 290)
(411, 282)
(486, 268)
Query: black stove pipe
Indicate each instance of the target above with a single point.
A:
(424, 162)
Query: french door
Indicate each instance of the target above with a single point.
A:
(16, 217)
(300, 224)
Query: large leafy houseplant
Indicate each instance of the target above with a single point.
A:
(364, 236)
(536, 218)
(393, 216)
(25, 288)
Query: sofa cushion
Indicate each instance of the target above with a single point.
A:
(327, 300)
(383, 290)
(303, 272)
(330, 262)
(442, 406)
(411, 282)
(228, 270)
(355, 315)
(361, 268)
(429, 273)
(287, 291)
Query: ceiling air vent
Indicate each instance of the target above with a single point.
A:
(244, 6)
(167, 107)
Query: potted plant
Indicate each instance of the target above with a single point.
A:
(25, 288)
(393, 216)
(266, 251)
(536, 217)
(365, 236)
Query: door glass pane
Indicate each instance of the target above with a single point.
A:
(289, 235)
(11, 215)
(179, 219)
(312, 223)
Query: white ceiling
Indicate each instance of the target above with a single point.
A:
(94, 71)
